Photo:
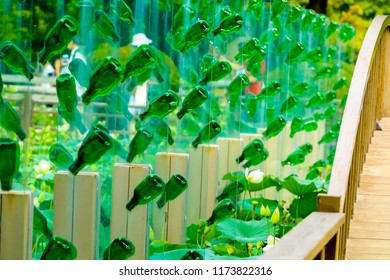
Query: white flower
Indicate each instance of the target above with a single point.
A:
(254, 177)
(267, 248)
(271, 240)
(42, 168)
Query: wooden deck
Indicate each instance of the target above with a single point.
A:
(369, 234)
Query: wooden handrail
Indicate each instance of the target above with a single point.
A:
(368, 101)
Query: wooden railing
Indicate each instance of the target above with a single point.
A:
(368, 100)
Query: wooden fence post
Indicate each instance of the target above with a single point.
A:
(133, 225)
(16, 225)
(169, 222)
(76, 214)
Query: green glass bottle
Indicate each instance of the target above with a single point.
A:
(16, 59)
(119, 105)
(290, 103)
(161, 128)
(222, 211)
(9, 162)
(272, 89)
(330, 96)
(319, 163)
(284, 44)
(323, 72)
(312, 174)
(104, 78)
(251, 105)
(195, 35)
(313, 55)
(66, 92)
(306, 148)
(139, 143)
(347, 32)
(183, 15)
(120, 248)
(206, 62)
(250, 150)
(192, 255)
(80, 71)
(257, 159)
(307, 18)
(236, 87)
(162, 105)
(58, 38)
(318, 99)
(332, 51)
(336, 127)
(123, 11)
(207, 133)
(196, 97)
(248, 50)
(270, 35)
(216, 72)
(175, 186)
(330, 111)
(318, 23)
(140, 60)
(293, 14)
(343, 101)
(295, 53)
(300, 88)
(74, 118)
(274, 127)
(328, 137)
(296, 125)
(319, 116)
(342, 82)
(104, 24)
(229, 24)
(233, 189)
(295, 158)
(278, 7)
(59, 248)
(332, 27)
(147, 190)
(40, 223)
(117, 148)
(93, 147)
(309, 124)
(60, 156)
(10, 119)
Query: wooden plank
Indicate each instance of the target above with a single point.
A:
(133, 225)
(369, 178)
(229, 150)
(368, 246)
(369, 230)
(16, 225)
(86, 215)
(169, 222)
(357, 256)
(308, 238)
(371, 216)
(372, 201)
(63, 205)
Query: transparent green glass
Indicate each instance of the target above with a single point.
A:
(9, 162)
(59, 248)
(10, 119)
(16, 59)
(104, 78)
(207, 133)
(120, 248)
(106, 27)
(139, 143)
(58, 38)
(175, 186)
(147, 190)
(224, 209)
(60, 156)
